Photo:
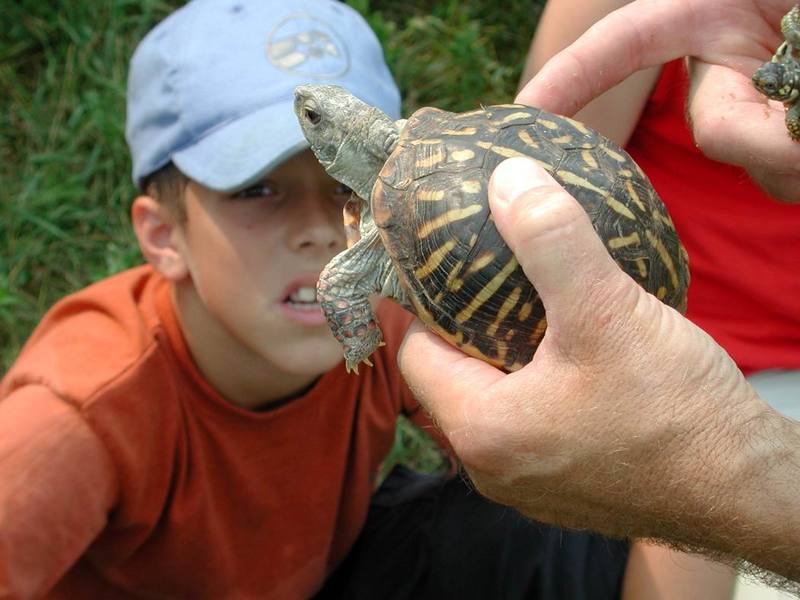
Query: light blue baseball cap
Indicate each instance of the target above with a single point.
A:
(211, 87)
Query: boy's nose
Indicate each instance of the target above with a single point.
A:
(318, 227)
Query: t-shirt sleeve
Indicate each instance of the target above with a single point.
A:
(57, 486)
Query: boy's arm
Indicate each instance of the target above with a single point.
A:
(57, 486)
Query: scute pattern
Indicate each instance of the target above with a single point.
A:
(430, 203)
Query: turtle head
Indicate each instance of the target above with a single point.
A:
(350, 138)
(776, 81)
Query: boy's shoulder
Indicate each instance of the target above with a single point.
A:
(91, 336)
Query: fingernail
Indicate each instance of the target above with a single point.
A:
(515, 176)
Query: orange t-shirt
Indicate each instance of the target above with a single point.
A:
(123, 472)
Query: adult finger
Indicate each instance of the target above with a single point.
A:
(732, 122)
(554, 241)
(444, 379)
(634, 37)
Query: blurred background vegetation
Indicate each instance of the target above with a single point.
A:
(65, 186)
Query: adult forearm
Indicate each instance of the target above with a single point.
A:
(764, 483)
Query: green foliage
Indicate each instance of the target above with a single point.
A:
(65, 186)
(64, 171)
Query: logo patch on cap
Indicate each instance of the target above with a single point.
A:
(307, 46)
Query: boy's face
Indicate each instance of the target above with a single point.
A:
(253, 259)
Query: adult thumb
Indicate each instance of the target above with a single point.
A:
(553, 239)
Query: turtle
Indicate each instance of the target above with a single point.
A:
(779, 78)
(425, 236)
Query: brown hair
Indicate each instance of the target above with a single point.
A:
(167, 186)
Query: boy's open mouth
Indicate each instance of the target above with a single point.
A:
(304, 297)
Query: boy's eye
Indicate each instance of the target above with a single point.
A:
(258, 190)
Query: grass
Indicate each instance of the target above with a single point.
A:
(65, 184)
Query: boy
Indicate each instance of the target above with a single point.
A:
(186, 429)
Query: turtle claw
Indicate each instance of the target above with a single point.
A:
(359, 349)
(352, 366)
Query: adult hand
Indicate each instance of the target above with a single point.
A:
(629, 420)
(727, 40)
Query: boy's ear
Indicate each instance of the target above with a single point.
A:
(156, 228)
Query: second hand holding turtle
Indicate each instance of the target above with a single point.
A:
(426, 235)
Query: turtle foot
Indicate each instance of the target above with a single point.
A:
(357, 350)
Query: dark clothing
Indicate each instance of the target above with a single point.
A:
(430, 538)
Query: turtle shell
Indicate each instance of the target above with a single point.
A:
(430, 204)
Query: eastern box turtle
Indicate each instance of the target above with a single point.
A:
(779, 78)
(426, 238)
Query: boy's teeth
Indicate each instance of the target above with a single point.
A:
(304, 294)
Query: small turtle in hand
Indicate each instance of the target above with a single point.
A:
(425, 234)
(779, 78)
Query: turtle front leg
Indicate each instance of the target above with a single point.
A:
(793, 121)
(343, 291)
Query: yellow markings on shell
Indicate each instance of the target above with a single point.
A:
(473, 239)
(510, 335)
(633, 195)
(453, 282)
(589, 159)
(664, 256)
(426, 141)
(564, 139)
(502, 351)
(471, 186)
(525, 311)
(625, 173)
(578, 125)
(547, 124)
(659, 216)
(642, 266)
(526, 138)
(619, 208)
(487, 292)
(464, 131)
(572, 178)
(462, 155)
(456, 340)
(484, 260)
(538, 331)
(451, 216)
(515, 117)
(434, 260)
(615, 155)
(430, 195)
(431, 160)
(484, 144)
(661, 293)
(624, 241)
(506, 152)
(508, 304)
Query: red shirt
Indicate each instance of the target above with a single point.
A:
(744, 247)
(117, 454)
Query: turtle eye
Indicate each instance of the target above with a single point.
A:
(312, 116)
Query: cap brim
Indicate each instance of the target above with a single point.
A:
(241, 152)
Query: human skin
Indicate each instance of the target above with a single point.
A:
(727, 40)
(235, 260)
(630, 420)
(655, 570)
